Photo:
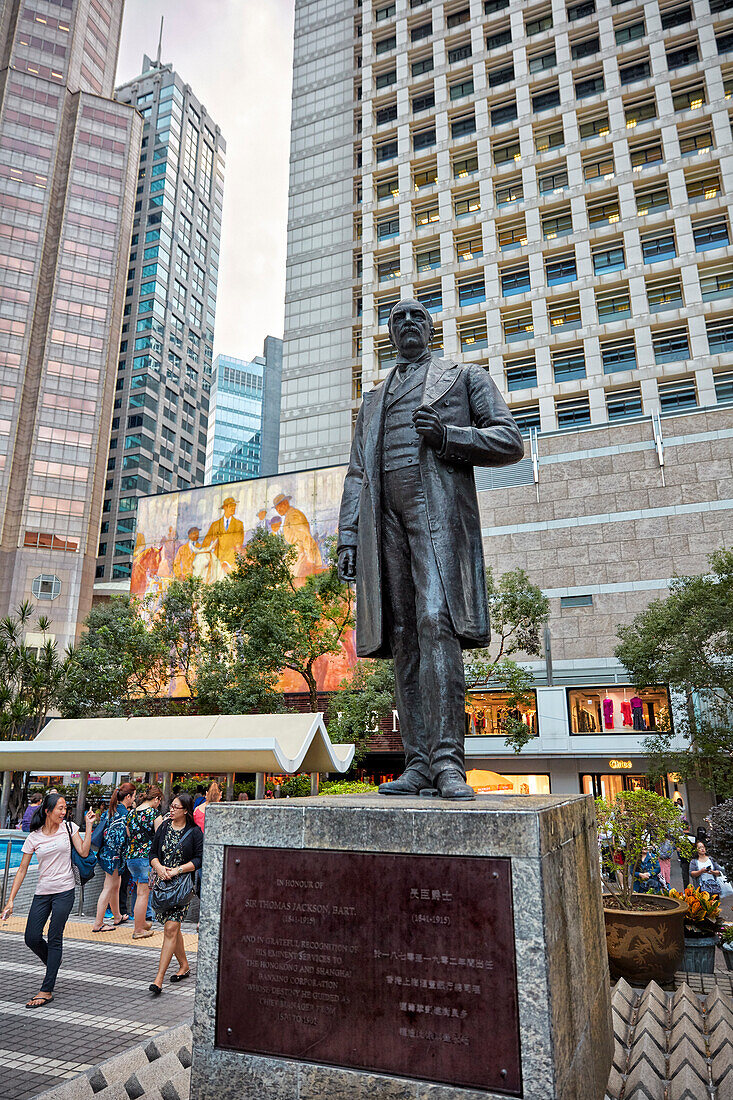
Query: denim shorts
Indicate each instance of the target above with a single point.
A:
(139, 869)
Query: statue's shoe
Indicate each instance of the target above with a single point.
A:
(451, 784)
(409, 783)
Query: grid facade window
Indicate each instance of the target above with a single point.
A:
(575, 132)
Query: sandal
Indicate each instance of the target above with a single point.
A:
(39, 1001)
(142, 935)
(122, 920)
(104, 928)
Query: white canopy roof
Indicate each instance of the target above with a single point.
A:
(271, 743)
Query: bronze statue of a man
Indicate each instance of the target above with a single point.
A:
(410, 536)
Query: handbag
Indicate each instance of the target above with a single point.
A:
(173, 893)
(83, 867)
(176, 892)
(98, 833)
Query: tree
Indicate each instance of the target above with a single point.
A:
(686, 641)
(178, 626)
(117, 667)
(356, 710)
(518, 610)
(635, 821)
(30, 679)
(278, 623)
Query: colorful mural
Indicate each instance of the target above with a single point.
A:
(199, 532)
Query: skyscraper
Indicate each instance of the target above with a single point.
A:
(160, 420)
(68, 158)
(244, 418)
(552, 181)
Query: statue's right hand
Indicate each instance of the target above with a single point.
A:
(347, 564)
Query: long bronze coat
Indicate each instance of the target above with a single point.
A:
(480, 432)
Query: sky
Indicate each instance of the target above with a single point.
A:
(237, 57)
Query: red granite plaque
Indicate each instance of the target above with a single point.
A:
(394, 964)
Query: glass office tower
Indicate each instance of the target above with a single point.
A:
(68, 160)
(244, 420)
(161, 408)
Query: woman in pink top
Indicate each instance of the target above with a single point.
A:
(50, 838)
(212, 795)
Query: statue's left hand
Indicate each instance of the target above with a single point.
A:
(429, 425)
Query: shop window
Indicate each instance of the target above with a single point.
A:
(610, 786)
(486, 782)
(490, 713)
(618, 708)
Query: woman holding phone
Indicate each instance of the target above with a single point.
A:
(50, 839)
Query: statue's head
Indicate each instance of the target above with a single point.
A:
(410, 327)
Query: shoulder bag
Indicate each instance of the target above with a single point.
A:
(176, 892)
(82, 866)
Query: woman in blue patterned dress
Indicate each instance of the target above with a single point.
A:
(110, 855)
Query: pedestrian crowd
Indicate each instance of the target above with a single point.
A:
(157, 854)
(652, 871)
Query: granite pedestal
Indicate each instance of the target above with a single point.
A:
(362, 946)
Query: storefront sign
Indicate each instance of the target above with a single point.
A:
(620, 765)
(380, 962)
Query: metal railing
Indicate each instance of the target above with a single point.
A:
(6, 874)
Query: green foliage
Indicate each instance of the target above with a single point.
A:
(636, 820)
(686, 641)
(518, 610)
(356, 709)
(273, 623)
(30, 680)
(347, 786)
(118, 664)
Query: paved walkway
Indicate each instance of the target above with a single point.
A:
(102, 1005)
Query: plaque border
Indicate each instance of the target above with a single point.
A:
(375, 1072)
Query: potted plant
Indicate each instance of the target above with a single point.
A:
(725, 939)
(644, 930)
(702, 928)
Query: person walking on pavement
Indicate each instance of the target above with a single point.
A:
(50, 838)
(177, 849)
(665, 859)
(33, 804)
(141, 824)
(110, 855)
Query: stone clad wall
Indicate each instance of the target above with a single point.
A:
(605, 524)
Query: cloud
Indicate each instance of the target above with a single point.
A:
(237, 57)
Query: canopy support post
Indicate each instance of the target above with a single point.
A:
(81, 798)
(259, 785)
(5, 797)
(315, 782)
(230, 787)
(167, 783)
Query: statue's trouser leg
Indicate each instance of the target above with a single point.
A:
(428, 657)
(402, 631)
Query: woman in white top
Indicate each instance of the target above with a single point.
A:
(50, 838)
(705, 871)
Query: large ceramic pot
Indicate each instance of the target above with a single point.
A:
(646, 945)
(699, 956)
(728, 955)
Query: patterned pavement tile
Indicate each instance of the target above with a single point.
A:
(102, 1006)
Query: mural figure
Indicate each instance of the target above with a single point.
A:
(225, 537)
(296, 530)
(410, 536)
